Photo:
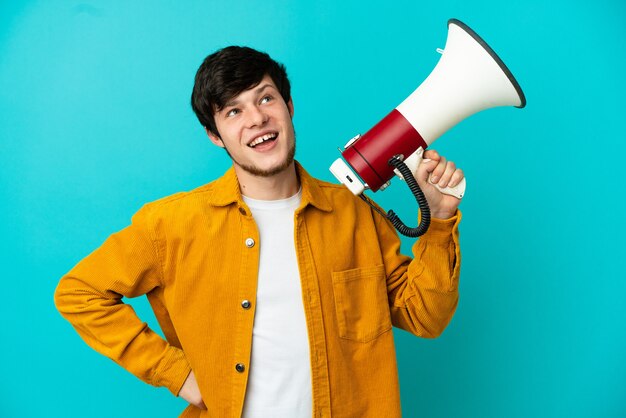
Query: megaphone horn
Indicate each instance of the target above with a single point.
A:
(468, 78)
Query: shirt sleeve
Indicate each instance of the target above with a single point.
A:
(90, 298)
(423, 292)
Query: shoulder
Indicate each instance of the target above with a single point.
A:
(178, 204)
(347, 213)
(332, 188)
(340, 197)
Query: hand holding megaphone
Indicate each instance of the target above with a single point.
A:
(442, 183)
(469, 78)
(456, 189)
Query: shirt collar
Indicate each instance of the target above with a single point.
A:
(226, 191)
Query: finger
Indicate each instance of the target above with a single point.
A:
(424, 170)
(456, 177)
(447, 174)
(438, 171)
(431, 154)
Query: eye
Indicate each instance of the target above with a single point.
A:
(232, 112)
(266, 99)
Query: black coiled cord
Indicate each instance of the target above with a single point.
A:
(419, 196)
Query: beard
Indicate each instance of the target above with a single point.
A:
(259, 172)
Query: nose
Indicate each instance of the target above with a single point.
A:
(256, 116)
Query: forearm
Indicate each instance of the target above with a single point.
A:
(423, 295)
(90, 298)
(113, 329)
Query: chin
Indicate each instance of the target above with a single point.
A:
(269, 170)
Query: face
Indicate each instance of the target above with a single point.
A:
(256, 129)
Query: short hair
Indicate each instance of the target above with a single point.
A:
(228, 72)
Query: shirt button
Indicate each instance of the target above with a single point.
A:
(245, 304)
(240, 367)
(249, 242)
(242, 211)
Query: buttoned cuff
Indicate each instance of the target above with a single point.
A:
(172, 371)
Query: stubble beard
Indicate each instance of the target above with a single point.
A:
(259, 172)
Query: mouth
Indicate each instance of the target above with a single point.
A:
(263, 139)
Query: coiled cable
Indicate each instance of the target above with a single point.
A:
(398, 164)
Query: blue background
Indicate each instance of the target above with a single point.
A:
(95, 121)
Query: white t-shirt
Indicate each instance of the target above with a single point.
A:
(279, 381)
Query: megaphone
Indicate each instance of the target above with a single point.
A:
(468, 78)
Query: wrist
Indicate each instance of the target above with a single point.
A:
(442, 214)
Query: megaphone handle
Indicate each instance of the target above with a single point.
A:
(457, 191)
(416, 159)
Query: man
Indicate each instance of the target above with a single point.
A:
(276, 292)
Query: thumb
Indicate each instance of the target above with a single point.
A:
(423, 171)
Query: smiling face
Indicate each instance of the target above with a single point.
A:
(256, 129)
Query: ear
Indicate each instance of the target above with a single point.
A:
(290, 107)
(214, 138)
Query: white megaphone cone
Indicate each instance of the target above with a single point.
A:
(468, 78)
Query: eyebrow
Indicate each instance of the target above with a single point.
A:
(258, 90)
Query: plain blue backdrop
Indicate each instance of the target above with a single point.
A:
(95, 121)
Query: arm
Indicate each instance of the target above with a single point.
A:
(90, 298)
(423, 293)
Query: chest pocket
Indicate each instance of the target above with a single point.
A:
(361, 303)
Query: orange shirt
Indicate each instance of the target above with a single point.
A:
(195, 255)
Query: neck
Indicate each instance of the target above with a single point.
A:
(279, 186)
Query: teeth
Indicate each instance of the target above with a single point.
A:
(262, 139)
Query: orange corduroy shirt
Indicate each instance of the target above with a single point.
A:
(196, 254)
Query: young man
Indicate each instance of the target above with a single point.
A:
(276, 292)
